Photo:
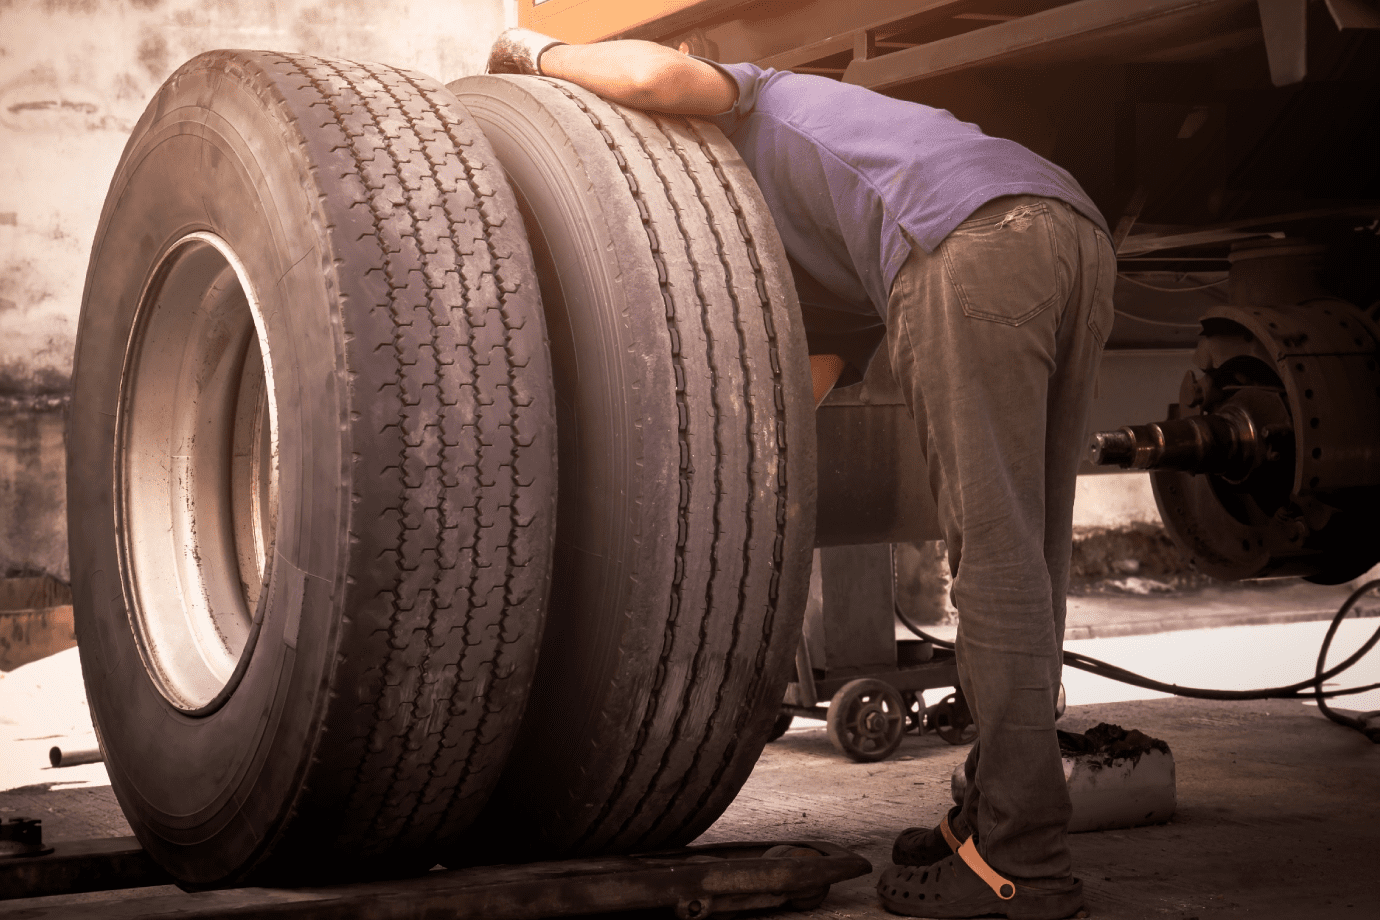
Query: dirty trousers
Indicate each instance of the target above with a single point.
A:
(995, 339)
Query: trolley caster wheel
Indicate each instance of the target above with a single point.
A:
(866, 720)
(915, 711)
(951, 720)
(779, 727)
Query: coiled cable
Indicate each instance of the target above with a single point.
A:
(1311, 688)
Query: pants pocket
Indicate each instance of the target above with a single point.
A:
(1004, 268)
(1103, 312)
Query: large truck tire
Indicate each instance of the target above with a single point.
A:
(311, 471)
(687, 454)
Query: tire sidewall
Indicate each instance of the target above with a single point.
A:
(233, 768)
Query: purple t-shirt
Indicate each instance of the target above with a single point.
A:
(845, 170)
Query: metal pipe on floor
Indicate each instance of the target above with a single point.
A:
(60, 758)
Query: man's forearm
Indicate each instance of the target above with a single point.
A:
(643, 75)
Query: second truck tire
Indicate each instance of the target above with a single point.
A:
(687, 454)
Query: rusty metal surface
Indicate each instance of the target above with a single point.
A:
(1354, 14)
(1088, 29)
(22, 837)
(853, 626)
(892, 42)
(1284, 24)
(787, 36)
(882, 494)
(585, 21)
(1232, 231)
(28, 635)
(941, 671)
(879, 494)
(101, 864)
(1309, 376)
(1173, 98)
(1325, 355)
(850, 632)
(696, 882)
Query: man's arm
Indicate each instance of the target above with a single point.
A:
(640, 74)
(644, 75)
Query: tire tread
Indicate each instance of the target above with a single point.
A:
(440, 547)
(704, 744)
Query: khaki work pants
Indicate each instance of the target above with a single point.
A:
(995, 339)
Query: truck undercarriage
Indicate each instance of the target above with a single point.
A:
(1230, 144)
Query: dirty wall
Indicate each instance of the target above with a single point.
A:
(74, 77)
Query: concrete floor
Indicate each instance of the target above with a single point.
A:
(1278, 813)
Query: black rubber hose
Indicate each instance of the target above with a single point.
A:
(1304, 689)
(1361, 724)
(905, 621)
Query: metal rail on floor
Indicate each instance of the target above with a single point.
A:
(694, 882)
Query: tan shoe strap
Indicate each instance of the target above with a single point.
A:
(1003, 888)
(949, 836)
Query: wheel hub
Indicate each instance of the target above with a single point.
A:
(196, 472)
(1267, 465)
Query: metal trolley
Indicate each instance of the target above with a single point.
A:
(849, 655)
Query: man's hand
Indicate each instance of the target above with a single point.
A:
(519, 51)
(641, 74)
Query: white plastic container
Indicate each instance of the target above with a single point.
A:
(1111, 790)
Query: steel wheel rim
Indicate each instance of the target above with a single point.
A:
(196, 468)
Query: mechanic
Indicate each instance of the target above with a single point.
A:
(988, 274)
